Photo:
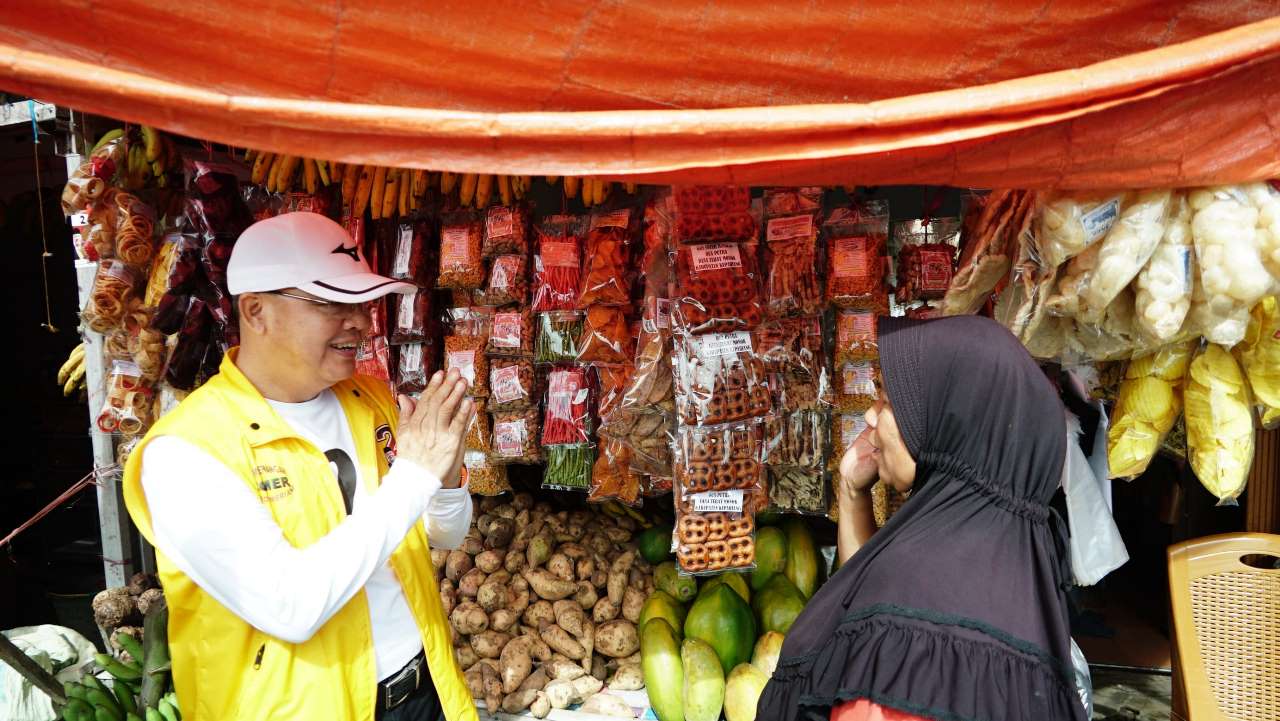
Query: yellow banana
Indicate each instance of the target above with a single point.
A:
(588, 191)
(571, 185)
(77, 376)
(249, 155)
(76, 357)
(310, 175)
(419, 185)
(467, 190)
(335, 171)
(322, 167)
(553, 179)
(261, 165)
(484, 190)
(350, 177)
(157, 168)
(151, 141)
(379, 190)
(288, 171)
(274, 173)
(390, 196)
(504, 188)
(364, 190)
(107, 137)
(406, 185)
(448, 181)
(602, 191)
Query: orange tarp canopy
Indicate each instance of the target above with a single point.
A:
(1010, 94)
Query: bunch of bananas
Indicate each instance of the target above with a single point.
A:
(148, 157)
(71, 374)
(92, 700)
(281, 173)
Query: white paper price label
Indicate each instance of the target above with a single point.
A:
(789, 228)
(716, 256)
(403, 248)
(717, 501)
(1098, 222)
(80, 220)
(717, 345)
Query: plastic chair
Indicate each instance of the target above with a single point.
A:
(1226, 618)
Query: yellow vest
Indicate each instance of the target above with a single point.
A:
(223, 668)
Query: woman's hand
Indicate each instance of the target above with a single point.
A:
(858, 468)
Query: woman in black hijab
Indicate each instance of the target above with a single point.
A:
(955, 610)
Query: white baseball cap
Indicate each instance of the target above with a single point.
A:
(309, 252)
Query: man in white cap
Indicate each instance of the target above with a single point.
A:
(290, 502)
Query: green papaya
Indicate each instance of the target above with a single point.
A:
(660, 661)
(722, 619)
(655, 544)
(778, 604)
(771, 555)
(660, 604)
(733, 579)
(667, 578)
(742, 692)
(703, 681)
(768, 649)
(802, 557)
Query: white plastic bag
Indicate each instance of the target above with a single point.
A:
(1096, 546)
(58, 650)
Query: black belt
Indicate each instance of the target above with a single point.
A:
(401, 685)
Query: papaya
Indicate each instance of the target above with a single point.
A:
(742, 692)
(736, 581)
(778, 604)
(768, 518)
(703, 681)
(667, 578)
(767, 651)
(660, 604)
(771, 555)
(663, 669)
(655, 544)
(724, 621)
(802, 557)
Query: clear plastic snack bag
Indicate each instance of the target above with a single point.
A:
(1165, 285)
(1149, 402)
(1220, 430)
(857, 239)
(717, 288)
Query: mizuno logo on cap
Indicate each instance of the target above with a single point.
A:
(353, 251)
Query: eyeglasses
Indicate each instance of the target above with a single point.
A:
(335, 308)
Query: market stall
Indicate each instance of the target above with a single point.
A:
(667, 316)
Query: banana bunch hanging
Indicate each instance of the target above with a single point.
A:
(71, 374)
(147, 158)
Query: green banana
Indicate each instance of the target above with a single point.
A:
(100, 713)
(168, 710)
(154, 715)
(124, 695)
(116, 668)
(73, 690)
(107, 137)
(104, 701)
(131, 716)
(133, 647)
(77, 709)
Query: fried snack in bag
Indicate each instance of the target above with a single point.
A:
(719, 458)
(409, 260)
(507, 284)
(461, 267)
(612, 478)
(1266, 198)
(857, 239)
(1232, 276)
(606, 336)
(483, 478)
(1165, 285)
(1150, 400)
(1071, 223)
(1220, 432)
(411, 371)
(797, 490)
(511, 384)
(717, 288)
(115, 292)
(791, 252)
(1259, 355)
(606, 264)
(128, 408)
(515, 437)
(412, 311)
(373, 358)
(466, 355)
(479, 435)
(719, 378)
(511, 335)
(715, 531)
(506, 231)
(1125, 250)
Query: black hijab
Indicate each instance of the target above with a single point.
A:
(955, 610)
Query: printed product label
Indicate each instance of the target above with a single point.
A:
(455, 247)
(616, 219)
(851, 258)
(499, 223)
(505, 268)
(559, 254)
(404, 247)
(716, 345)
(411, 358)
(717, 501)
(715, 256)
(506, 330)
(465, 362)
(935, 270)
(858, 327)
(505, 384)
(851, 426)
(509, 438)
(796, 226)
(404, 313)
(1097, 222)
(859, 379)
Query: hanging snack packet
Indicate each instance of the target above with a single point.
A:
(412, 312)
(606, 336)
(568, 418)
(796, 439)
(479, 436)
(558, 334)
(856, 337)
(924, 271)
(412, 370)
(373, 358)
(115, 289)
(607, 275)
(409, 260)
(713, 214)
(569, 467)
(856, 386)
(511, 385)
(506, 231)
(1220, 432)
(791, 252)
(1259, 355)
(719, 378)
(856, 242)
(557, 274)
(483, 478)
(507, 284)
(612, 478)
(466, 355)
(515, 437)
(511, 335)
(461, 267)
(127, 408)
(1149, 402)
(715, 531)
(796, 490)
(717, 288)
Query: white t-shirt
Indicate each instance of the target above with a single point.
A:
(217, 532)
